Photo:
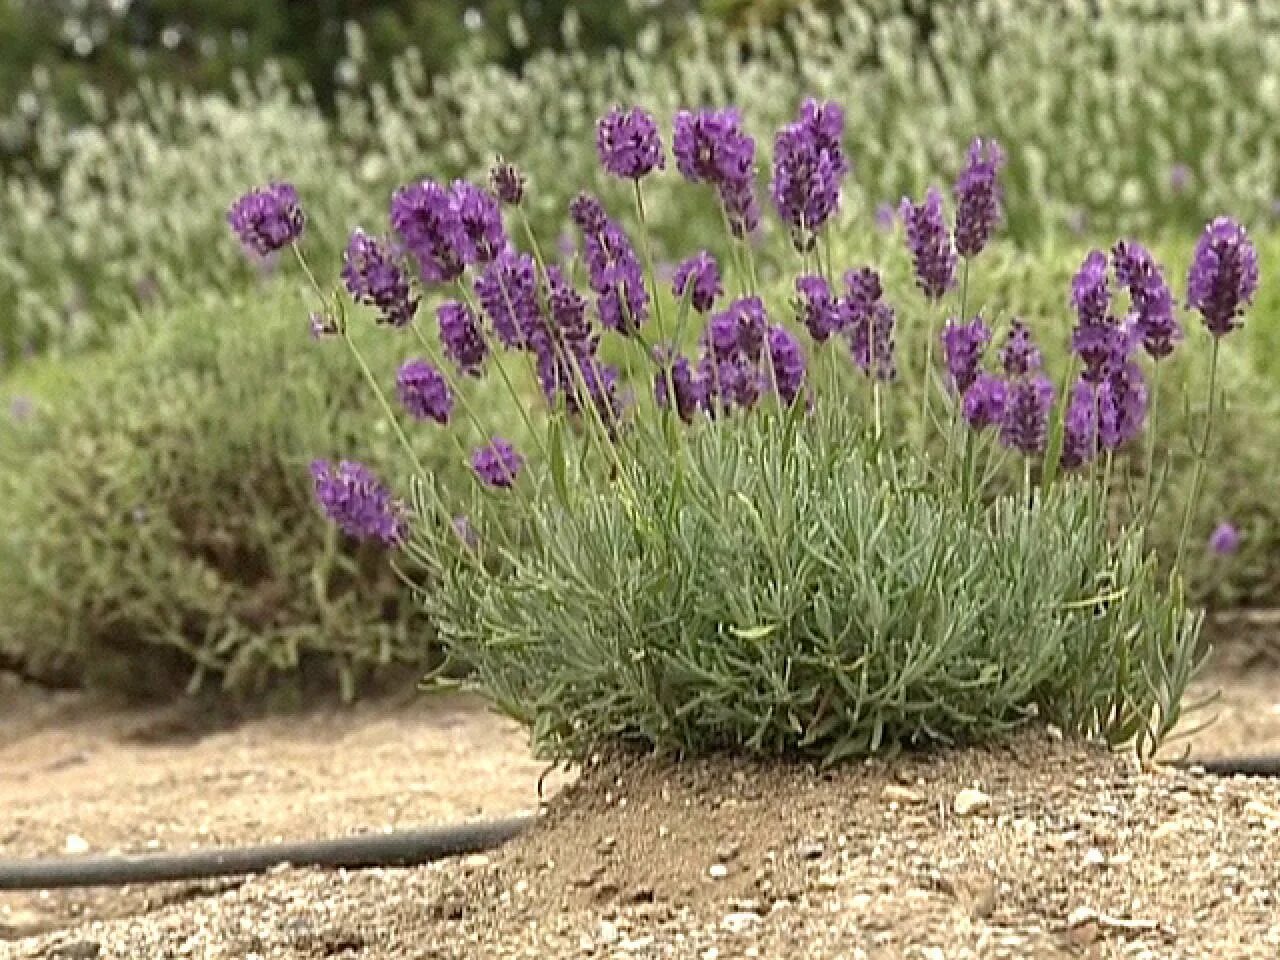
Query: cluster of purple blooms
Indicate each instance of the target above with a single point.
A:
(439, 233)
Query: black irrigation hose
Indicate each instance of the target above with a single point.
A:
(401, 849)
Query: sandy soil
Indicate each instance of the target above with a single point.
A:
(1070, 852)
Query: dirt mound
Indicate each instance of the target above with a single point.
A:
(1034, 848)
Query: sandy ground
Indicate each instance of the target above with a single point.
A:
(1069, 852)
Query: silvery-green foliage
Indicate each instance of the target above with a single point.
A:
(774, 584)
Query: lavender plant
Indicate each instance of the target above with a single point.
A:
(726, 537)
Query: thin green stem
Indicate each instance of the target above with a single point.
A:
(1151, 446)
(382, 400)
(1202, 454)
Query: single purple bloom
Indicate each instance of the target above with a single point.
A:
(1019, 356)
(425, 217)
(690, 388)
(587, 213)
(508, 294)
(1152, 313)
(1225, 539)
(497, 464)
(787, 360)
(507, 182)
(704, 273)
(1122, 406)
(267, 219)
(1080, 426)
(929, 241)
(614, 272)
(978, 197)
(867, 322)
(1224, 275)
(628, 143)
(1090, 294)
(820, 310)
(710, 147)
(985, 402)
(374, 277)
(808, 165)
(462, 337)
(740, 329)
(358, 502)
(424, 392)
(323, 324)
(1026, 416)
(567, 308)
(963, 345)
(481, 220)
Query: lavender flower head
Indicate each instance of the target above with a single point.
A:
(425, 217)
(481, 220)
(568, 309)
(1151, 301)
(929, 241)
(710, 147)
(1080, 426)
(820, 311)
(787, 360)
(1225, 539)
(689, 387)
(978, 197)
(1026, 416)
(1090, 295)
(962, 347)
(612, 268)
(497, 464)
(808, 165)
(867, 322)
(702, 271)
(508, 294)
(424, 392)
(358, 502)
(1224, 275)
(507, 182)
(1122, 406)
(462, 337)
(374, 277)
(628, 144)
(985, 402)
(267, 219)
(1020, 356)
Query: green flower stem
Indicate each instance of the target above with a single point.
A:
(1202, 454)
(1147, 507)
(382, 400)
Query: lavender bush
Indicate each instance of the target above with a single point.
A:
(720, 535)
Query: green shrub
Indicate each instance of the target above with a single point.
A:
(160, 527)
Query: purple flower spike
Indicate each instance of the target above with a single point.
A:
(1224, 275)
(702, 271)
(962, 347)
(358, 502)
(787, 359)
(867, 322)
(612, 267)
(462, 337)
(508, 293)
(1026, 417)
(1020, 356)
(690, 388)
(978, 197)
(628, 143)
(1225, 539)
(1090, 295)
(1122, 406)
(481, 220)
(1080, 427)
(819, 309)
(710, 147)
(267, 219)
(497, 464)
(507, 182)
(374, 277)
(425, 217)
(985, 402)
(424, 392)
(1151, 301)
(567, 308)
(808, 165)
(929, 241)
